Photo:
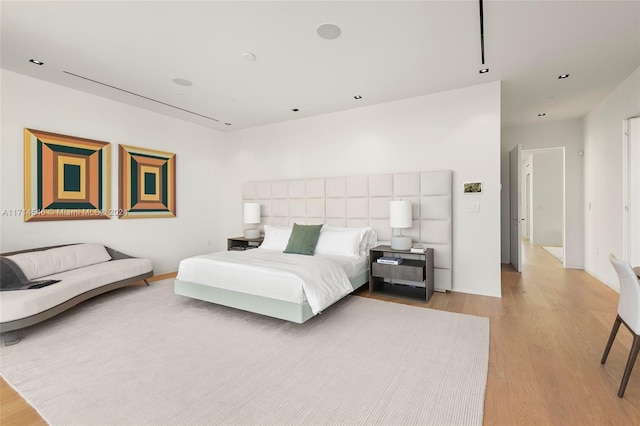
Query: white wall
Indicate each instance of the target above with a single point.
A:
(457, 130)
(567, 134)
(603, 177)
(32, 103)
(547, 196)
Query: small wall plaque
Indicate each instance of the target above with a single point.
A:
(472, 187)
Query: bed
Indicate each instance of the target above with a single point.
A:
(286, 285)
(342, 202)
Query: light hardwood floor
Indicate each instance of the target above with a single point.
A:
(548, 332)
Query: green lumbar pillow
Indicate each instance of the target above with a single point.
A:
(303, 239)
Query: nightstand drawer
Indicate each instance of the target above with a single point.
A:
(405, 271)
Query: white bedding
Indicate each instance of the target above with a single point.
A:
(320, 280)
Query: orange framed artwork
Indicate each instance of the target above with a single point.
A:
(65, 177)
(147, 183)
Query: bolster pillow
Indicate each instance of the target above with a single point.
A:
(39, 264)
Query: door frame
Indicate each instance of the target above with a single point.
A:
(515, 230)
(627, 200)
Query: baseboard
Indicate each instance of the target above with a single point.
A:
(574, 267)
(594, 275)
(159, 277)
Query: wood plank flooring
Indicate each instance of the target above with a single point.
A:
(548, 333)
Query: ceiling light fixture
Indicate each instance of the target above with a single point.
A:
(248, 56)
(542, 114)
(484, 70)
(35, 61)
(561, 76)
(357, 97)
(295, 110)
(182, 82)
(328, 31)
(227, 124)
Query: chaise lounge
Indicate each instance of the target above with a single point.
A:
(40, 283)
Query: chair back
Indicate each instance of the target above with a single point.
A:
(629, 304)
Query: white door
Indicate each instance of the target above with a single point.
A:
(516, 230)
(631, 173)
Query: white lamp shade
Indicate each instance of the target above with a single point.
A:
(400, 214)
(251, 212)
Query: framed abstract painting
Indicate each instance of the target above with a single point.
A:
(65, 177)
(147, 183)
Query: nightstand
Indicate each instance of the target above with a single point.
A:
(242, 243)
(412, 279)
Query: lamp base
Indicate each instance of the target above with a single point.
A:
(401, 242)
(252, 234)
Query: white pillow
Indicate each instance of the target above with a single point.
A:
(340, 241)
(276, 237)
(368, 241)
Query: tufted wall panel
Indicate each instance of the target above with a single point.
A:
(364, 201)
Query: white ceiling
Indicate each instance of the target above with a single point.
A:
(388, 50)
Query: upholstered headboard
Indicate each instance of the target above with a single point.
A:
(364, 201)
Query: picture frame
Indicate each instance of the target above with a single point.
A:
(147, 183)
(65, 177)
(472, 187)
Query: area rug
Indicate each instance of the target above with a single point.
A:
(557, 252)
(145, 356)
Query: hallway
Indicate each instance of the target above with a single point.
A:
(547, 339)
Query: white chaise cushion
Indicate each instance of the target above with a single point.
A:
(40, 264)
(20, 304)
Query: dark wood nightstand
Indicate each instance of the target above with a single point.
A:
(412, 279)
(242, 243)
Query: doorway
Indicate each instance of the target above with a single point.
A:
(543, 199)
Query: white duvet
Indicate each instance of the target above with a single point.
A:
(291, 277)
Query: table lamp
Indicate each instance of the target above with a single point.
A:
(400, 217)
(252, 216)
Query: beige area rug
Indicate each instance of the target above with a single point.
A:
(557, 252)
(145, 356)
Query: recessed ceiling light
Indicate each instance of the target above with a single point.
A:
(328, 31)
(561, 76)
(542, 114)
(295, 110)
(227, 124)
(248, 56)
(357, 97)
(35, 61)
(182, 82)
(484, 71)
